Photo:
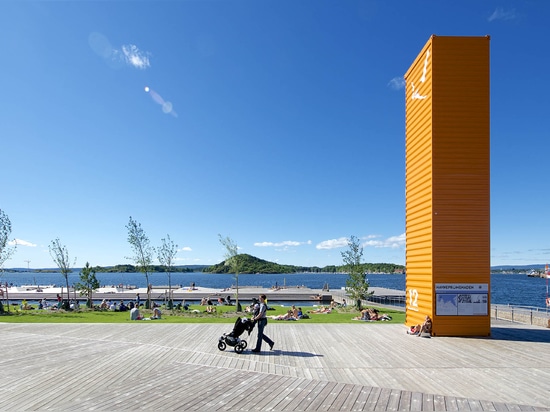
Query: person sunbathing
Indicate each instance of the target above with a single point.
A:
(322, 309)
(287, 316)
(365, 315)
(425, 327)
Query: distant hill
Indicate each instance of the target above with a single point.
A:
(250, 264)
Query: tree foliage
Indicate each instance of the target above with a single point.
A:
(60, 256)
(5, 230)
(166, 254)
(143, 251)
(357, 286)
(88, 283)
(231, 261)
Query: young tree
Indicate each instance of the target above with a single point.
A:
(166, 254)
(232, 260)
(5, 230)
(88, 283)
(60, 256)
(5, 250)
(357, 286)
(143, 252)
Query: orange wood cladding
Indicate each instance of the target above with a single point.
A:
(448, 177)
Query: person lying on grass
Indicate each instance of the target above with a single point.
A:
(322, 309)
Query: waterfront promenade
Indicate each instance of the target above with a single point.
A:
(159, 293)
(151, 365)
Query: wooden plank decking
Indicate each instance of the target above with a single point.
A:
(156, 366)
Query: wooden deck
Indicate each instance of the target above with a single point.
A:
(155, 366)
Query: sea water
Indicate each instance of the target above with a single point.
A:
(506, 289)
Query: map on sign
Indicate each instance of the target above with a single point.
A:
(461, 299)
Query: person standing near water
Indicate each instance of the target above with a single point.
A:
(261, 318)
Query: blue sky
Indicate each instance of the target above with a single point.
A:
(278, 123)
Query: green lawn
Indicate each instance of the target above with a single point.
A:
(225, 314)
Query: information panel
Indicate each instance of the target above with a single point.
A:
(461, 299)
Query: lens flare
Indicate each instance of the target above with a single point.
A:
(167, 107)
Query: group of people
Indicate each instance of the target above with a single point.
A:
(292, 314)
(206, 301)
(113, 306)
(210, 307)
(136, 315)
(372, 314)
(424, 328)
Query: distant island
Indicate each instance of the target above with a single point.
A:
(247, 265)
(250, 265)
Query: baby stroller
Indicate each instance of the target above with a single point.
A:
(233, 339)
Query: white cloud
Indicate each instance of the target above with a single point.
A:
(135, 57)
(128, 54)
(282, 244)
(393, 242)
(333, 243)
(397, 83)
(20, 242)
(396, 241)
(501, 14)
(185, 249)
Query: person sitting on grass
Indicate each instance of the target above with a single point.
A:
(210, 309)
(364, 315)
(134, 314)
(373, 313)
(254, 307)
(156, 313)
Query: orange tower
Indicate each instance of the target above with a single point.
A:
(447, 186)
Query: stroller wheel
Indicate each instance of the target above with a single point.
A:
(239, 348)
(244, 344)
(221, 345)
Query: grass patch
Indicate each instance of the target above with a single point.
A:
(224, 314)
